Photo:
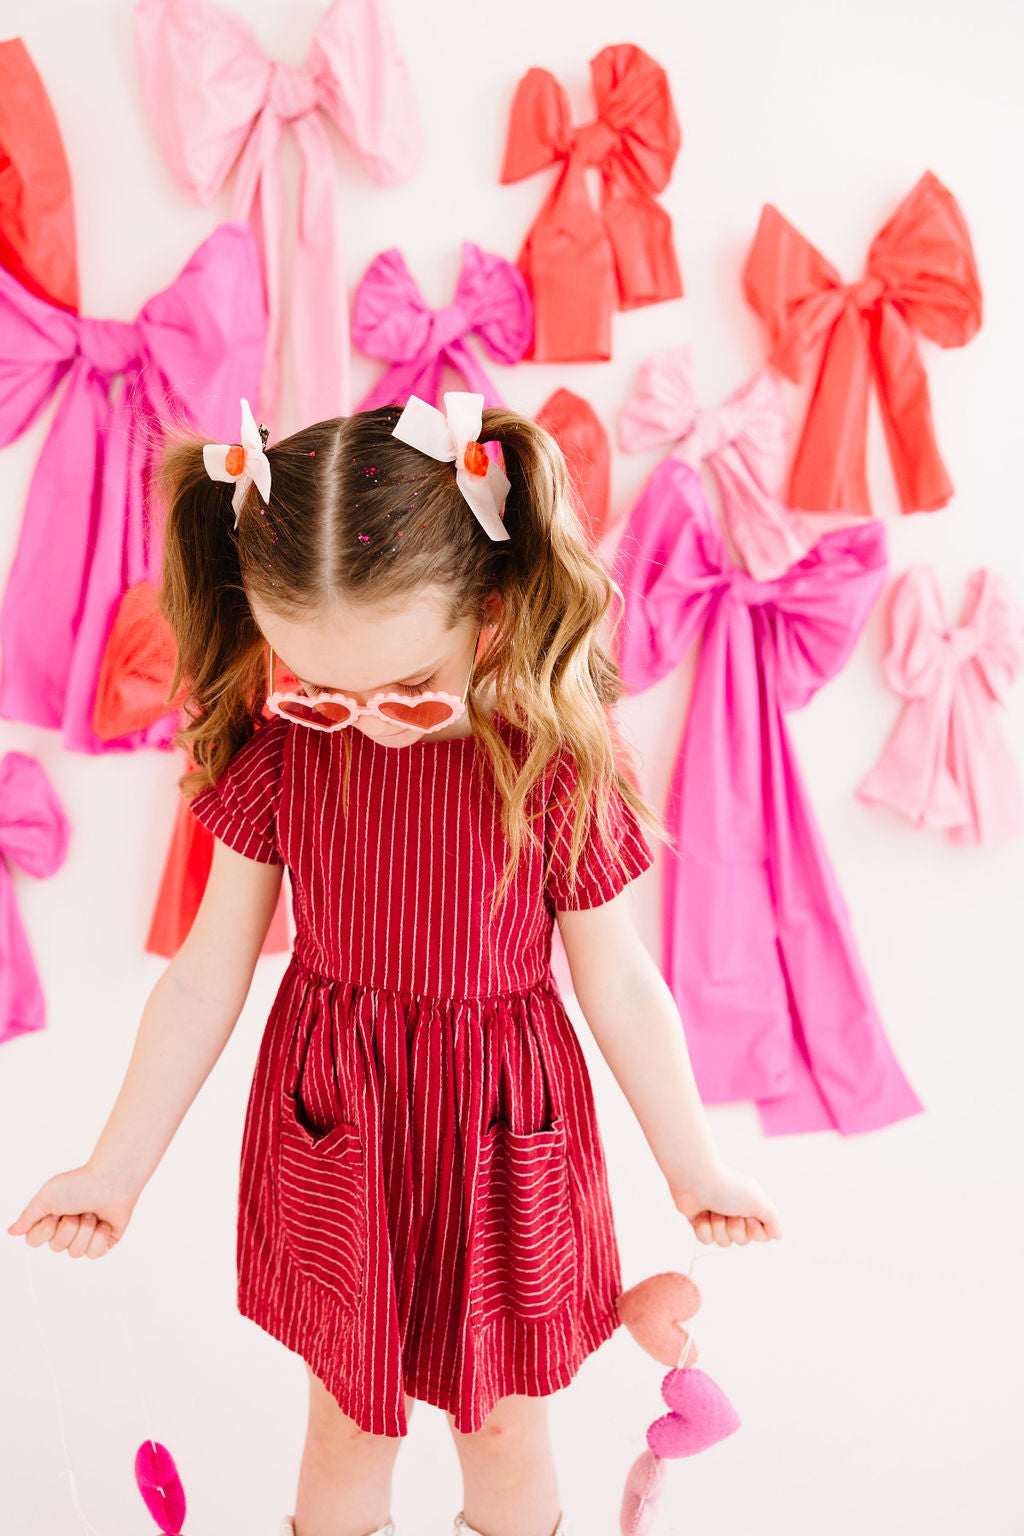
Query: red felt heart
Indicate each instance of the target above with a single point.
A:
(650, 1309)
(643, 1490)
(702, 1415)
(160, 1486)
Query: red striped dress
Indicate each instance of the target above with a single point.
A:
(423, 1202)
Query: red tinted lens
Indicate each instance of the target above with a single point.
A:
(418, 713)
(324, 715)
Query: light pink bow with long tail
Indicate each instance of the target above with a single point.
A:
(947, 763)
(744, 443)
(214, 99)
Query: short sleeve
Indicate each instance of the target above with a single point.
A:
(241, 807)
(599, 874)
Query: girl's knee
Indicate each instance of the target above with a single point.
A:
(513, 1418)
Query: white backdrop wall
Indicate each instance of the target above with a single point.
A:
(874, 1353)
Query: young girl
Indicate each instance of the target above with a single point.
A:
(423, 1204)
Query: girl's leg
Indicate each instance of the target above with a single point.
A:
(508, 1470)
(345, 1474)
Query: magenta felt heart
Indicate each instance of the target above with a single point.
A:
(643, 1490)
(160, 1486)
(702, 1415)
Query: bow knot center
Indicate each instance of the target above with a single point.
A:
(962, 645)
(593, 142)
(867, 293)
(747, 589)
(447, 325)
(293, 93)
(715, 429)
(109, 346)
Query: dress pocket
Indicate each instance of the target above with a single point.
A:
(523, 1259)
(322, 1189)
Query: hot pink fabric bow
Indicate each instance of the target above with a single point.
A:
(86, 534)
(757, 942)
(214, 99)
(34, 833)
(744, 443)
(391, 319)
(947, 763)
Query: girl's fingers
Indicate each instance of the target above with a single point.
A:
(98, 1243)
(702, 1227)
(719, 1229)
(80, 1242)
(736, 1226)
(41, 1231)
(756, 1231)
(67, 1229)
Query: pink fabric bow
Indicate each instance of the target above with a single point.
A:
(391, 319)
(947, 763)
(744, 443)
(757, 944)
(214, 99)
(34, 833)
(86, 534)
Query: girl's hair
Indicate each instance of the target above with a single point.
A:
(357, 515)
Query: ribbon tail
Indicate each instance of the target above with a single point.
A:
(848, 1075)
(318, 321)
(640, 232)
(35, 658)
(259, 200)
(828, 472)
(921, 478)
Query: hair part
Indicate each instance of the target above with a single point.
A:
(356, 515)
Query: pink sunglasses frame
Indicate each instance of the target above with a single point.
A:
(372, 705)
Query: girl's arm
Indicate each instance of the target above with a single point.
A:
(188, 1017)
(185, 1024)
(633, 1017)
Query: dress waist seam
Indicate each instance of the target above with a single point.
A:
(545, 980)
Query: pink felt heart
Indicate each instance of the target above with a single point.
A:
(643, 1490)
(702, 1415)
(650, 1309)
(160, 1486)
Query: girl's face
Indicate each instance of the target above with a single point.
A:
(361, 651)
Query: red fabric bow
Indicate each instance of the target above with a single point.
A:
(920, 276)
(580, 263)
(580, 434)
(134, 682)
(37, 211)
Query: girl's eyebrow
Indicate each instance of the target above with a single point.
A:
(326, 688)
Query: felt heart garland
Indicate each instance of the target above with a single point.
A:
(155, 1472)
(700, 1413)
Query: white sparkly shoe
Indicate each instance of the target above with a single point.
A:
(387, 1529)
(463, 1528)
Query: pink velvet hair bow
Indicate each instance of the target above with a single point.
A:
(947, 763)
(34, 834)
(582, 263)
(743, 442)
(214, 99)
(391, 319)
(920, 277)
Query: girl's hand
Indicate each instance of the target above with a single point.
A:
(75, 1212)
(727, 1207)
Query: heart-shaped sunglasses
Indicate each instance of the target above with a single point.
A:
(334, 711)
